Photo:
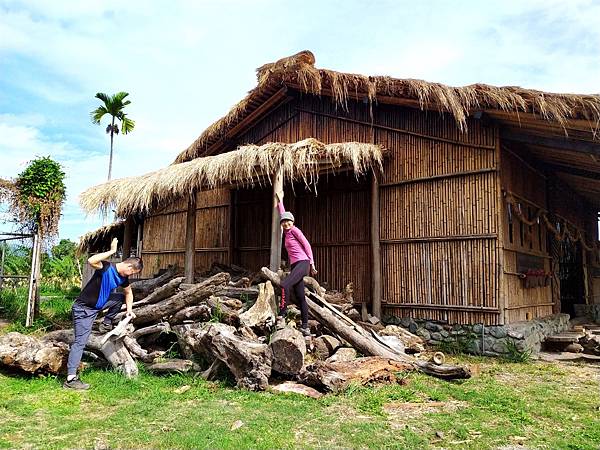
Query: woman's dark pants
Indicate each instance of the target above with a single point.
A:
(295, 282)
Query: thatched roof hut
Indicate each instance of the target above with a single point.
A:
(504, 103)
(485, 195)
(247, 166)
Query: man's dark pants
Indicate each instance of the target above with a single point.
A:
(83, 319)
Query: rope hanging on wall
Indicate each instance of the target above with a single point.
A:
(561, 231)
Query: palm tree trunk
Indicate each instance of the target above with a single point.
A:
(112, 130)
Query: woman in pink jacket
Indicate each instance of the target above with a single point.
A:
(301, 262)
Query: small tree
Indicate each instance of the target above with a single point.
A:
(36, 197)
(113, 107)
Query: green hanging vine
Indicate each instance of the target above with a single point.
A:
(36, 196)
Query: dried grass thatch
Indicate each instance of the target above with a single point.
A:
(248, 165)
(104, 233)
(299, 71)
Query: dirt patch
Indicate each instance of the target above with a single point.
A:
(401, 412)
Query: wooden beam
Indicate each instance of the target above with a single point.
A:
(190, 239)
(217, 146)
(275, 258)
(375, 249)
(573, 171)
(561, 143)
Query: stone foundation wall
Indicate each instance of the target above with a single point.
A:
(493, 340)
(591, 311)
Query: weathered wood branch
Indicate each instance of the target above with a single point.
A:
(171, 305)
(335, 376)
(249, 362)
(262, 314)
(113, 350)
(143, 288)
(361, 340)
(29, 354)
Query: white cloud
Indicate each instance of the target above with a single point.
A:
(185, 63)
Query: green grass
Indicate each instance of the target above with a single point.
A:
(540, 405)
(55, 308)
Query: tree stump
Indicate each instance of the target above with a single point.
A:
(262, 314)
(289, 350)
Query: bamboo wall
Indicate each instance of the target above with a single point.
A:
(439, 192)
(440, 213)
(529, 186)
(164, 233)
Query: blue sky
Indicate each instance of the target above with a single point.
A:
(185, 63)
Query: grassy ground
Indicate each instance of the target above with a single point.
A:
(55, 308)
(539, 405)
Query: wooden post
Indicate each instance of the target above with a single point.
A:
(37, 279)
(232, 227)
(275, 259)
(375, 249)
(31, 297)
(127, 230)
(138, 241)
(190, 239)
(2, 265)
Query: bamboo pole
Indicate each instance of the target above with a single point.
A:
(190, 239)
(275, 257)
(31, 291)
(2, 265)
(375, 249)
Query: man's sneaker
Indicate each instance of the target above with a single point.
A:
(76, 384)
(305, 331)
(105, 327)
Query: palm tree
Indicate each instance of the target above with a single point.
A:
(113, 106)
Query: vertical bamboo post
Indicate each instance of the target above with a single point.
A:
(2, 264)
(31, 291)
(38, 269)
(190, 239)
(138, 241)
(232, 225)
(275, 258)
(375, 249)
(127, 230)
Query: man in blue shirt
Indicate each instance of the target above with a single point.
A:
(95, 296)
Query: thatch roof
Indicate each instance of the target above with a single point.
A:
(89, 241)
(299, 72)
(248, 165)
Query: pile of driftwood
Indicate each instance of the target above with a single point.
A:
(227, 322)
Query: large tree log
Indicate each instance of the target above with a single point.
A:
(173, 366)
(197, 312)
(335, 376)
(362, 341)
(159, 294)
(143, 288)
(113, 350)
(222, 312)
(412, 342)
(26, 353)
(261, 315)
(243, 294)
(136, 350)
(169, 306)
(250, 362)
(289, 350)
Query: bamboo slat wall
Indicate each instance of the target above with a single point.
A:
(438, 236)
(164, 233)
(529, 186)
